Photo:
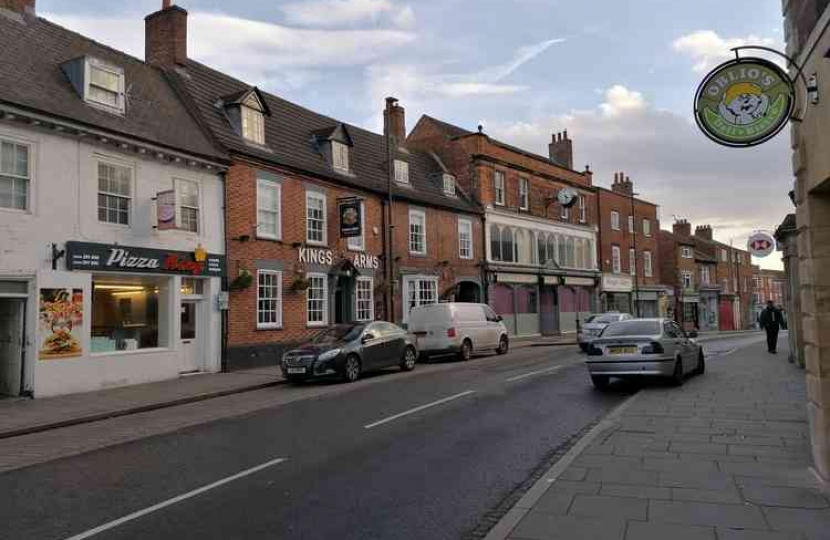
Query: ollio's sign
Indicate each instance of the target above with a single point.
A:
(326, 257)
(744, 102)
(114, 258)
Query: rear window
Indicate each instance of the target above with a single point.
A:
(632, 328)
(607, 318)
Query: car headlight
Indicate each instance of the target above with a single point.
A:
(328, 355)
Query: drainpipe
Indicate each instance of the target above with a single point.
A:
(391, 145)
(599, 250)
(225, 288)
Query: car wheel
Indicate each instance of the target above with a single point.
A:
(351, 368)
(504, 345)
(677, 376)
(701, 363)
(600, 381)
(410, 355)
(466, 351)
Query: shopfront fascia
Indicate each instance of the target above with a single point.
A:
(121, 315)
(616, 292)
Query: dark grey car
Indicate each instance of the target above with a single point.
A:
(350, 349)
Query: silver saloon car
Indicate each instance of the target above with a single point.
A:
(644, 347)
(594, 326)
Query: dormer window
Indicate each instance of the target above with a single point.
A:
(106, 85)
(340, 156)
(401, 171)
(449, 184)
(253, 120)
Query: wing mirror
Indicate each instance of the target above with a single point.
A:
(367, 338)
(693, 334)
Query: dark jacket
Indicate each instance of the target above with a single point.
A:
(771, 319)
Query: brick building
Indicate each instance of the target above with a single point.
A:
(297, 180)
(541, 267)
(628, 248)
(768, 285)
(679, 270)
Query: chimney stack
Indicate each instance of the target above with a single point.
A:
(165, 39)
(682, 227)
(23, 7)
(395, 119)
(704, 231)
(561, 150)
(622, 185)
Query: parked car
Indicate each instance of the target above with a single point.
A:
(349, 350)
(458, 328)
(640, 347)
(595, 324)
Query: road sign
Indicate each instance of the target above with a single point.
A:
(761, 244)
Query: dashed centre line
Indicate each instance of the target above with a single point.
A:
(532, 373)
(417, 409)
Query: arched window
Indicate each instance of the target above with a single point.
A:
(495, 243)
(563, 255)
(580, 254)
(541, 255)
(507, 251)
(589, 254)
(570, 259)
(551, 248)
(523, 246)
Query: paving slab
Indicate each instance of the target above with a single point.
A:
(540, 526)
(814, 524)
(666, 531)
(707, 514)
(736, 534)
(609, 507)
(791, 497)
(641, 492)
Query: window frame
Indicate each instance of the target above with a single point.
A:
(352, 243)
(686, 252)
(340, 158)
(647, 227)
(277, 274)
(278, 212)
(310, 276)
(632, 261)
(616, 261)
(631, 222)
(468, 223)
(93, 63)
(320, 196)
(98, 161)
(423, 217)
(408, 283)
(401, 171)
(705, 275)
(524, 193)
(179, 205)
(583, 209)
(615, 220)
(28, 179)
(252, 118)
(449, 181)
(499, 184)
(685, 276)
(648, 264)
(371, 299)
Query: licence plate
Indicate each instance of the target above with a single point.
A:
(295, 370)
(622, 350)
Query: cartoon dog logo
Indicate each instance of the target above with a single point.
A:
(743, 104)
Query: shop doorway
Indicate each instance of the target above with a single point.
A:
(189, 337)
(344, 300)
(12, 345)
(468, 291)
(549, 311)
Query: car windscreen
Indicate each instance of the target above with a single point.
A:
(338, 333)
(632, 328)
(606, 319)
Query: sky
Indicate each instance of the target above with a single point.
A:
(619, 76)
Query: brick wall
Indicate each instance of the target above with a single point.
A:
(614, 202)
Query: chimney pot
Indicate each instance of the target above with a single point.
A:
(395, 117)
(561, 150)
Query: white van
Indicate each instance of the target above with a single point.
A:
(458, 328)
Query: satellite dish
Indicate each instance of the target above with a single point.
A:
(567, 197)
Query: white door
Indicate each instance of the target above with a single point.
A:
(189, 346)
(12, 339)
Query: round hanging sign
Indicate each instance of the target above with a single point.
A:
(761, 244)
(567, 197)
(744, 102)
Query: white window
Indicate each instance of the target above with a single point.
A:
(704, 275)
(14, 176)
(583, 209)
(616, 265)
(419, 291)
(724, 257)
(401, 171)
(498, 187)
(687, 279)
(340, 156)
(565, 213)
(735, 284)
(746, 285)
(615, 220)
(417, 232)
(631, 224)
(647, 264)
(364, 299)
(269, 299)
(269, 209)
(187, 199)
(757, 297)
(357, 243)
(105, 85)
(317, 300)
(253, 121)
(523, 193)
(646, 227)
(632, 262)
(465, 238)
(449, 184)
(686, 252)
(756, 282)
(315, 213)
(115, 184)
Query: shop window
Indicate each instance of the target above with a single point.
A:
(192, 287)
(187, 197)
(420, 291)
(317, 300)
(417, 232)
(528, 299)
(689, 311)
(269, 299)
(465, 239)
(269, 205)
(364, 301)
(114, 193)
(130, 315)
(357, 243)
(498, 187)
(315, 203)
(14, 176)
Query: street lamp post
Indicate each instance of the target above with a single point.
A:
(634, 262)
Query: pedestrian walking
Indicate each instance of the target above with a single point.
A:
(771, 321)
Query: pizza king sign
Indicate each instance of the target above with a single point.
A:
(761, 244)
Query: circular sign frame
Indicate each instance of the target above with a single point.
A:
(738, 96)
(567, 196)
(759, 237)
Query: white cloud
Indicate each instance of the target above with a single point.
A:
(338, 13)
(707, 49)
(670, 162)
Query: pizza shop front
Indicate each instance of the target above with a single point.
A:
(121, 315)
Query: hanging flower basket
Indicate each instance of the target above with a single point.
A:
(300, 284)
(244, 280)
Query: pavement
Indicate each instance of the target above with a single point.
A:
(724, 457)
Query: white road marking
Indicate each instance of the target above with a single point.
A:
(417, 409)
(532, 373)
(174, 500)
